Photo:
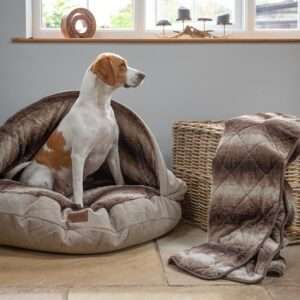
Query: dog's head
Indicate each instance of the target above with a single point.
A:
(114, 71)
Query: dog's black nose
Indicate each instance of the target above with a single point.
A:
(141, 76)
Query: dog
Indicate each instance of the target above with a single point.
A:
(86, 136)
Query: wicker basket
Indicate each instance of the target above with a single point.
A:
(194, 148)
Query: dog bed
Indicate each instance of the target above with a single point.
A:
(114, 217)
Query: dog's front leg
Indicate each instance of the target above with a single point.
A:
(77, 178)
(113, 161)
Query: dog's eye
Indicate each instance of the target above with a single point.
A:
(123, 67)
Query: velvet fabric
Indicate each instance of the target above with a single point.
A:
(251, 201)
(114, 217)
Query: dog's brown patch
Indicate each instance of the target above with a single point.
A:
(53, 154)
(111, 69)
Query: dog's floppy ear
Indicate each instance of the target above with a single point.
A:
(103, 68)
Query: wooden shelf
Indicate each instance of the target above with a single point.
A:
(158, 40)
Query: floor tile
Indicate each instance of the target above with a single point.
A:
(183, 237)
(186, 236)
(292, 274)
(22, 295)
(135, 266)
(191, 293)
(284, 292)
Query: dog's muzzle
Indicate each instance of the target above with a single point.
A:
(139, 79)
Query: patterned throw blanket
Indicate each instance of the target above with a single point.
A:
(251, 201)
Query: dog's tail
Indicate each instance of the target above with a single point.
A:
(13, 172)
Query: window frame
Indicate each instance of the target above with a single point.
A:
(39, 32)
(250, 29)
(245, 24)
(237, 27)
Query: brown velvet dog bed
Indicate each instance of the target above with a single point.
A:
(114, 217)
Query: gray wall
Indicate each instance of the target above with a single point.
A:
(193, 81)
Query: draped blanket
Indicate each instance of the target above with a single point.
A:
(114, 217)
(251, 201)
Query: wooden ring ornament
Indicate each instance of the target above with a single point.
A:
(69, 21)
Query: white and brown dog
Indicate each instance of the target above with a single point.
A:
(86, 136)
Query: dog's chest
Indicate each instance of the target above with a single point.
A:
(89, 128)
(93, 141)
(106, 138)
(104, 132)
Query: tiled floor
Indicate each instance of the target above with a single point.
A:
(138, 266)
(137, 273)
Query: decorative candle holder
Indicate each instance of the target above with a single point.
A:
(224, 20)
(163, 24)
(204, 20)
(184, 14)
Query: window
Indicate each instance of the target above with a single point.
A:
(109, 14)
(134, 18)
(276, 14)
(167, 9)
